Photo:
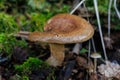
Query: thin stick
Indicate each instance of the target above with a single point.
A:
(93, 44)
(22, 34)
(115, 6)
(109, 13)
(89, 49)
(76, 7)
(76, 48)
(100, 31)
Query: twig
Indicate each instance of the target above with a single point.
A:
(75, 2)
(100, 31)
(115, 6)
(89, 49)
(109, 13)
(23, 34)
(76, 48)
(76, 7)
(93, 44)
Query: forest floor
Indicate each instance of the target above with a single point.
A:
(74, 67)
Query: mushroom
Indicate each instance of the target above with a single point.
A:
(95, 56)
(62, 29)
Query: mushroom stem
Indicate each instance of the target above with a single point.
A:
(57, 54)
(95, 65)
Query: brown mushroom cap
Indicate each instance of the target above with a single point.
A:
(63, 29)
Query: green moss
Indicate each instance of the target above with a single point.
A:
(32, 64)
(7, 43)
(7, 24)
(38, 21)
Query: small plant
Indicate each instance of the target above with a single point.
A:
(25, 78)
(83, 50)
